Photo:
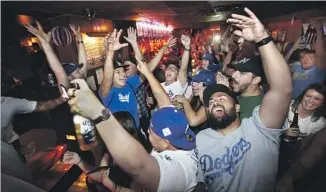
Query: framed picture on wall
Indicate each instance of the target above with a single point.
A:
(281, 36)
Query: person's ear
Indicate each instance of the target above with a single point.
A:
(256, 80)
(237, 108)
(165, 143)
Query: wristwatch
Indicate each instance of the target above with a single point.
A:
(264, 41)
(105, 115)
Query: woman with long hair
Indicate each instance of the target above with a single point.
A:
(310, 108)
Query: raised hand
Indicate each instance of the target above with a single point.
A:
(83, 101)
(142, 67)
(179, 99)
(209, 49)
(171, 42)
(132, 35)
(316, 24)
(39, 33)
(251, 29)
(71, 158)
(297, 44)
(112, 41)
(185, 40)
(76, 31)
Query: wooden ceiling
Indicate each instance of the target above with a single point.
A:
(180, 14)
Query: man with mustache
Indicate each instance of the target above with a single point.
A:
(242, 155)
(247, 79)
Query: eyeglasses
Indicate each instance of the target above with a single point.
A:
(173, 69)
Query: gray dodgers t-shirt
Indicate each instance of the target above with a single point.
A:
(246, 160)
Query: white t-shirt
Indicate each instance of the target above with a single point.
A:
(9, 107)
(178, 170)
(306, 125)
(176, 88)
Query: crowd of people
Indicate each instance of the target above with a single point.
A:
(223, 129)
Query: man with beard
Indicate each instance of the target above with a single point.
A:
(247, 79)
(242, 155)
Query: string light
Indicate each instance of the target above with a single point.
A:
(153, 29)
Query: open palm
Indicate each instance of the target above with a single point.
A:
(171, 42)
(250, 28)
(132, 35)
(185, 40)
(39, 33)
(75, 30)
(112, 41)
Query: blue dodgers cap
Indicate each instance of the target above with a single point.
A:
(71, 67)
(205, 76)
(172, 124)
(208, 57)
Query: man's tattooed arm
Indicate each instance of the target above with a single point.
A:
(48, 105)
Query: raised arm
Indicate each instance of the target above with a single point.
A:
(42, 106)
(290, 52)
(156, 60)
(112, 44)
(194, 118)
(232, 50)
(131, 156)
(132, 39)
(159, 93)
(182, 76)
(53, 60)
(275, 104)
(320, 45)
(82, 56)
(73, 158)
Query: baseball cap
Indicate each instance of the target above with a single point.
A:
(132, 60)
(208, 57)
(210, 90)
(172, 124)
(253, 65)
(71, 67)
(117, 64)
(205, 76)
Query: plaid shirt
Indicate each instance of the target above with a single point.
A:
(141, 99)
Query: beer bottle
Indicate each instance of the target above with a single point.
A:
(294, 131)
(85, 132)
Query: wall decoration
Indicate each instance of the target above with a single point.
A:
(95, 51)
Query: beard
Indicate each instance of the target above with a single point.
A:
(218, 123)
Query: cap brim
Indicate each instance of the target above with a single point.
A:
(195, 78)
(210, 90)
